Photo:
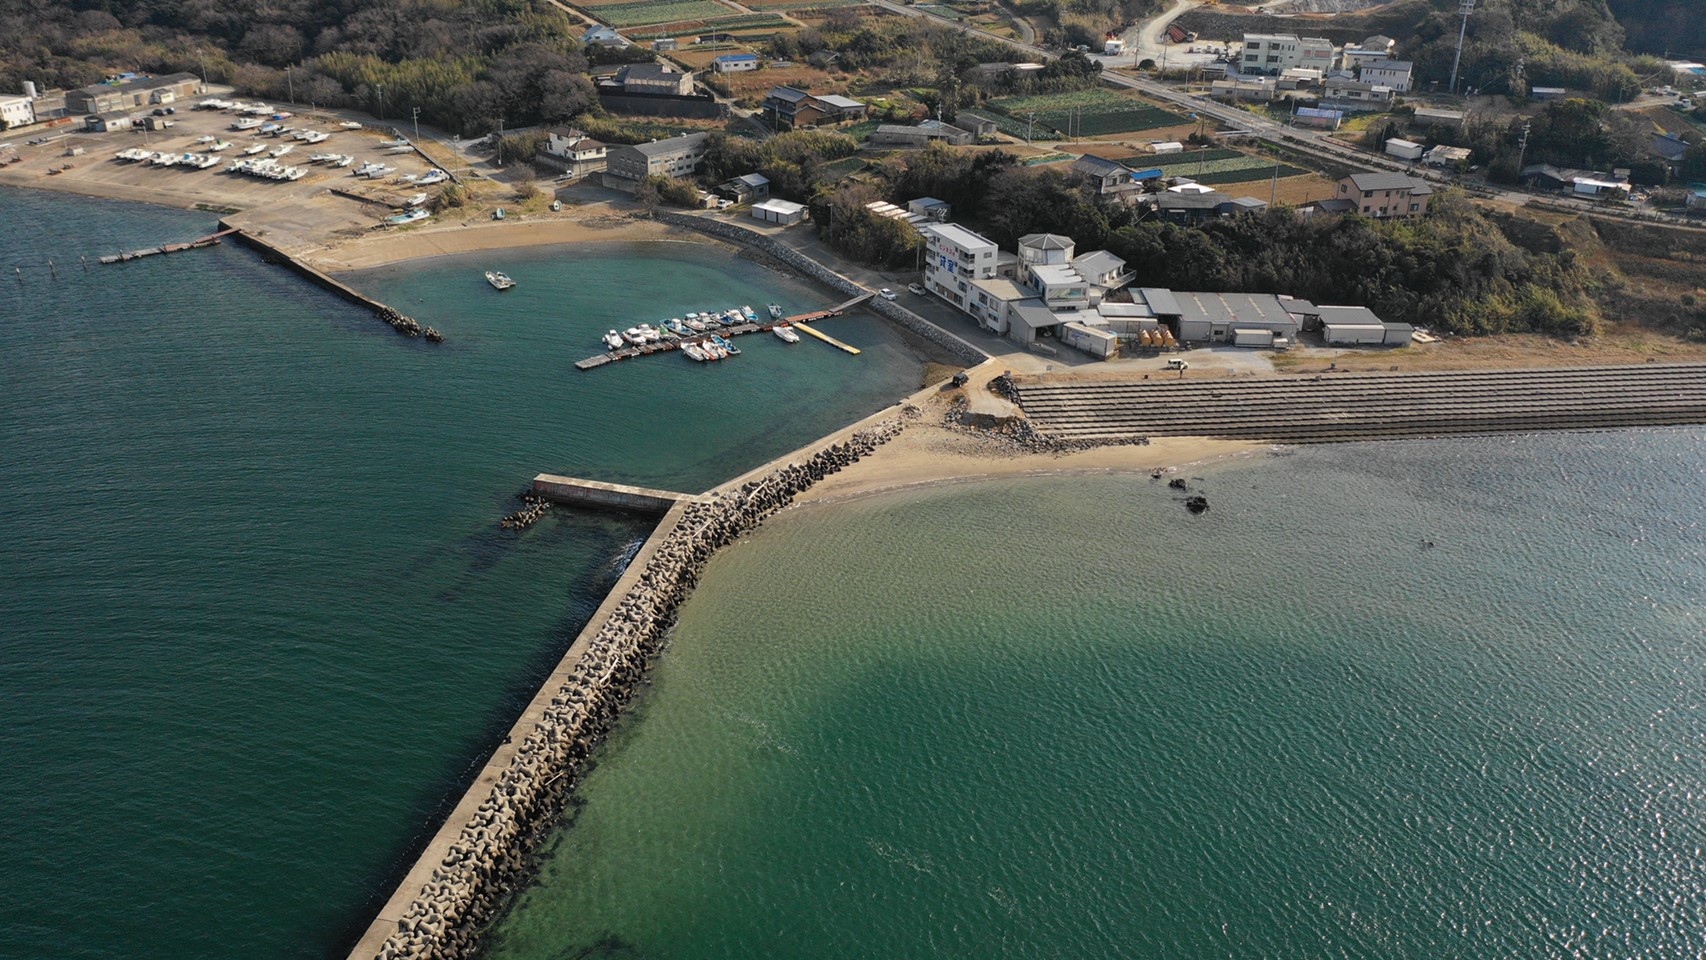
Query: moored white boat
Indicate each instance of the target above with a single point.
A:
(498, 280)
(775, 311)
(613, 340)
(786, 334)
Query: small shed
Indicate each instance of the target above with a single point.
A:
(1168, 146)
(1404, 149)
(1547, 93)
(1095, 341)
(1359, 326)
(784, 212)
(107, 122)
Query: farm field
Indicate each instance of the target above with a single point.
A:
(634, 14)
(1088, 113)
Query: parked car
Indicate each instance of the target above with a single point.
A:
(915, 288)
(886, 293)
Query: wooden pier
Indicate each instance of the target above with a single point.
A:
(664, 346)
(207, 241)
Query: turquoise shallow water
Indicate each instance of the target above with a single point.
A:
(1064, 718)
(259, 621)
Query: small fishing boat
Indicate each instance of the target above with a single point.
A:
(206, 139)
(498, 280)
(786, 334)
(613, 340)
(634, 336)
(257, 148)
(431, 177)
(411, 217)
(693, 323)
(399, 142)
(727, 345)
(350, 125)
(694, 352)
(417, 200)
(343, 161)
(219, 145)
(281, 151)
(750, 315)
(775, 311)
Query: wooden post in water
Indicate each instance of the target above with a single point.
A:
(52, 269)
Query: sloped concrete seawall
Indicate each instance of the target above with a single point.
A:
(893, 312)
(484, 848)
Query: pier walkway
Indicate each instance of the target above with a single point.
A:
(207, 241)
(1333, 407)
(676, 343)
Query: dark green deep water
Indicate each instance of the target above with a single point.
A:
(258, 623)
(257, 620)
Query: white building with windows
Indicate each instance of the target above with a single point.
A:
(1271, 54)
(16, 112)
(953, 258)
(1396, 74)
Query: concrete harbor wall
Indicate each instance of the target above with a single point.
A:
(1334, 407)
(960, 349)
(405, 325)
(484, 849)
(615, 496)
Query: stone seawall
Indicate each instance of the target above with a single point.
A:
(445, 914)
(893, 312)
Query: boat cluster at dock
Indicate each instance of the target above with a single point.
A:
(697, 334)
(529, 784)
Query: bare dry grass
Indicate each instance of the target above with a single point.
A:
(1625, 344)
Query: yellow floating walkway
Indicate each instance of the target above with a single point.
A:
(826, 338)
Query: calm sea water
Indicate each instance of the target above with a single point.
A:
(258, 620)
(1065, 718)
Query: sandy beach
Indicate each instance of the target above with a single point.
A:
(596, 224)
(928, 454)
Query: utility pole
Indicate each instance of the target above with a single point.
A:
(500, 143)
(417, 118)
(1522, 149)
(289, 84)
(203, 58)
(1273, 194)
(1466, 7)
(381, 88)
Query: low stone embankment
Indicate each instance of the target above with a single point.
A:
(795, 260)
(492, 852)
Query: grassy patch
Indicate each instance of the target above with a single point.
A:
(1089, 113)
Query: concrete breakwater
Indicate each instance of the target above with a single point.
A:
(483, 851)
(395, 319)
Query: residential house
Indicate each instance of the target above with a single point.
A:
(1109, 177)
(1669, 147)
(789, 108)
(1189, 207)
(1103, 271)
(1382, 195)
(574, 151)
(1382, 43)
(603, 36)
(129, 94)
(652, 79)
(925, 133)
(735, 62)
(1389, 73)
(980, 127)
(745, 189)
(1355, 95)
(1584, 183)
(1275, 53)
(930, 208)
(1243, 91)
(16, 112)
(626, 167)
(1353, 57)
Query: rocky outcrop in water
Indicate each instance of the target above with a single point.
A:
(492, 852)
(533, 508)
